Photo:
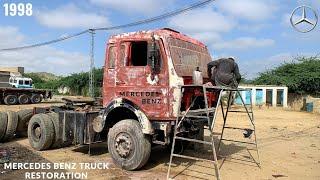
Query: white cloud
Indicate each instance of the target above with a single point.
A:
(10, 36)
(47, 59)
(135, 6)
(248, 9)
(70, 16)
(244, 43)
(202, 20)
(210, 26)
(207, 37)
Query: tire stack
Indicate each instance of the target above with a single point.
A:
(42, 130)
(8, 125)
(14, 124)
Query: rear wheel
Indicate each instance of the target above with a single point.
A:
(36, 98)
(10, 99)
(24, 117)
(40, 132)
(3, 124)
(11, 126)
(23, 99)
(129, 147)
(57, 142)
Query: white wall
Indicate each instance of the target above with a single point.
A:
(264, 92)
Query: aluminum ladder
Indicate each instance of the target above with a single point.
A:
(247, 110)
(208, 114)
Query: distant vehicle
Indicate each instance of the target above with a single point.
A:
(20, 91)
(20, 82)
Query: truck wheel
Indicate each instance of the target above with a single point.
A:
(129, 147)
(3, 124)
(40, 132)
(36, 98)
(24, 117)
(23, 99)
(57, 142)
(10, 100)
(11, 125)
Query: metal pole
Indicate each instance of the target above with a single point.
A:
(91, 72)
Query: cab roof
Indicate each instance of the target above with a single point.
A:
(163, 33)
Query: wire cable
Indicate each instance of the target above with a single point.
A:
(160, 17)
(136, 23)
(45, 43)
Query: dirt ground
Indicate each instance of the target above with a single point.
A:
(288, 143)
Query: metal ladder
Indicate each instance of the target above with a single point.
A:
(248, 111)
(197, 115)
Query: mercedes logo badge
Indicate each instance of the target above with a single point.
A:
(304, 24)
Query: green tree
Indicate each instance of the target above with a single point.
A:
(302, 75)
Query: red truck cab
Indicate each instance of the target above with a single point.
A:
(142, 77)
(129, 76)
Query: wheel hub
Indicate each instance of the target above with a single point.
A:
(123, 145)
(37, 132)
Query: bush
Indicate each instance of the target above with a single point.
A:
(301, 75)
(77, 82)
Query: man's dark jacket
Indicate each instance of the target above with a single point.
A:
(225, 72)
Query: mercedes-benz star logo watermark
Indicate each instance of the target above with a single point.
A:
(304, 24)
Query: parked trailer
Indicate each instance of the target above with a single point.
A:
(143, 73)
(11, 96)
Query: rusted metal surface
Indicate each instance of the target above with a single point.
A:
(155, 95)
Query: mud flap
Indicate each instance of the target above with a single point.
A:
(77, 127)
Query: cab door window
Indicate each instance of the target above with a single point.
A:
(138, 54)
(111, 57)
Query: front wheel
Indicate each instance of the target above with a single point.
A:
(129, 147)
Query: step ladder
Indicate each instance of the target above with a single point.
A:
(248, 109)
(207, 114)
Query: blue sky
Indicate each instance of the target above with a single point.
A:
(256, 32)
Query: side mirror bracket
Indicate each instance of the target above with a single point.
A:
(154, 57)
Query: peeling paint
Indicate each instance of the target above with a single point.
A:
(154, 81)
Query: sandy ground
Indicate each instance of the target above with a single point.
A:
(289, 148)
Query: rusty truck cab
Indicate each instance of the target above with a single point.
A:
(132, 80)
(141, 90)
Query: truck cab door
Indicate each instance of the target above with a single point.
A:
(109, 74)
(136, 82)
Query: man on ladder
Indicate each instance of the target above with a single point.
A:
(224, 72)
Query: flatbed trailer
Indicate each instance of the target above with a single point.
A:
(11, 96)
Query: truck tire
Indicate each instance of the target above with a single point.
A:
(36, 98)
(129, 147)
(3, 124)
(11, 125)
(24, 117)
(23, 99)
(40, 132)
(57, 142)
(10, 99)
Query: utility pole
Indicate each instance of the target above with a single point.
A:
(91, 72)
